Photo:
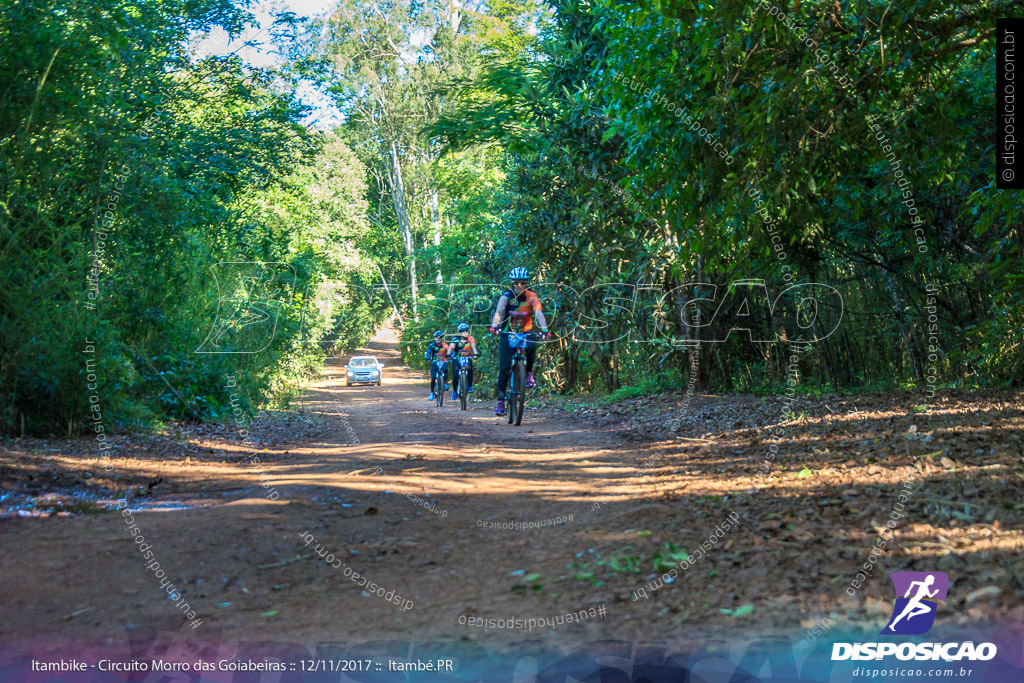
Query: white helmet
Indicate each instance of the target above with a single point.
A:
(519, 274)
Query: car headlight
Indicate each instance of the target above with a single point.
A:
(350, 373)
(375, 373)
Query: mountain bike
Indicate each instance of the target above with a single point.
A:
(462, 383)
(515, 397)
(460, 376)
(440, 384)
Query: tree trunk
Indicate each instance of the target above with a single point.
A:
(570, 364)
(455, 16)
(398, 198)
(680, 299)
(906, 337)
(704, 376)
(387, 288)
(437, 235)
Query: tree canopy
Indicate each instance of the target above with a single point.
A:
(171, 211)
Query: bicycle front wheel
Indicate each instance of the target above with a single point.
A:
(510, 407)
(519, 400)
(463, 388)
(439, 396)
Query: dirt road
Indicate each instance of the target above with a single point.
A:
(356, 474)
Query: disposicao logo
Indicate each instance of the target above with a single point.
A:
(914, 612)
(917, 598)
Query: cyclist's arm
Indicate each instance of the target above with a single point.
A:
(539, 313)
(540, 319)
(475, 352)
(430, 351)
(500, 311)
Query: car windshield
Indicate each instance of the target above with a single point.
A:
(363, 363)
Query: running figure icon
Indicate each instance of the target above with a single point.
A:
(915, 607)
(917, 598)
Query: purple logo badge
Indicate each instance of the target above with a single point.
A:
(917, 596)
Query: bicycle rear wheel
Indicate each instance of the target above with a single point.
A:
(463, 388)
(519, 400)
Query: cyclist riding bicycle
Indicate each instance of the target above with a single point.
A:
(464, 345)
(437, 350)
(515, 312)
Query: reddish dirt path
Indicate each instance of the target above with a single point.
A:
(245, 568)
(470, 464)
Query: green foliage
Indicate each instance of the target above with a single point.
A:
(594, 567)
(172, 213)
(165, 219)
(642, 386)
(613, 184)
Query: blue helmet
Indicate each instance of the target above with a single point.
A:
(519, 274)
(463, 327)
(439, 333)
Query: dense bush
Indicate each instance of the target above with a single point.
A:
(161, 210)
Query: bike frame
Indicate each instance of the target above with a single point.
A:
(515, 395)
(442, 369)
(463, 362)
(456, 346)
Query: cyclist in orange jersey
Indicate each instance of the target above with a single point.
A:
(515, 312)
(464, 345)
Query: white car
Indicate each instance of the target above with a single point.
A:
(363, 370)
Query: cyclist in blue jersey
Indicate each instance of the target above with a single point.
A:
(437, 350)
